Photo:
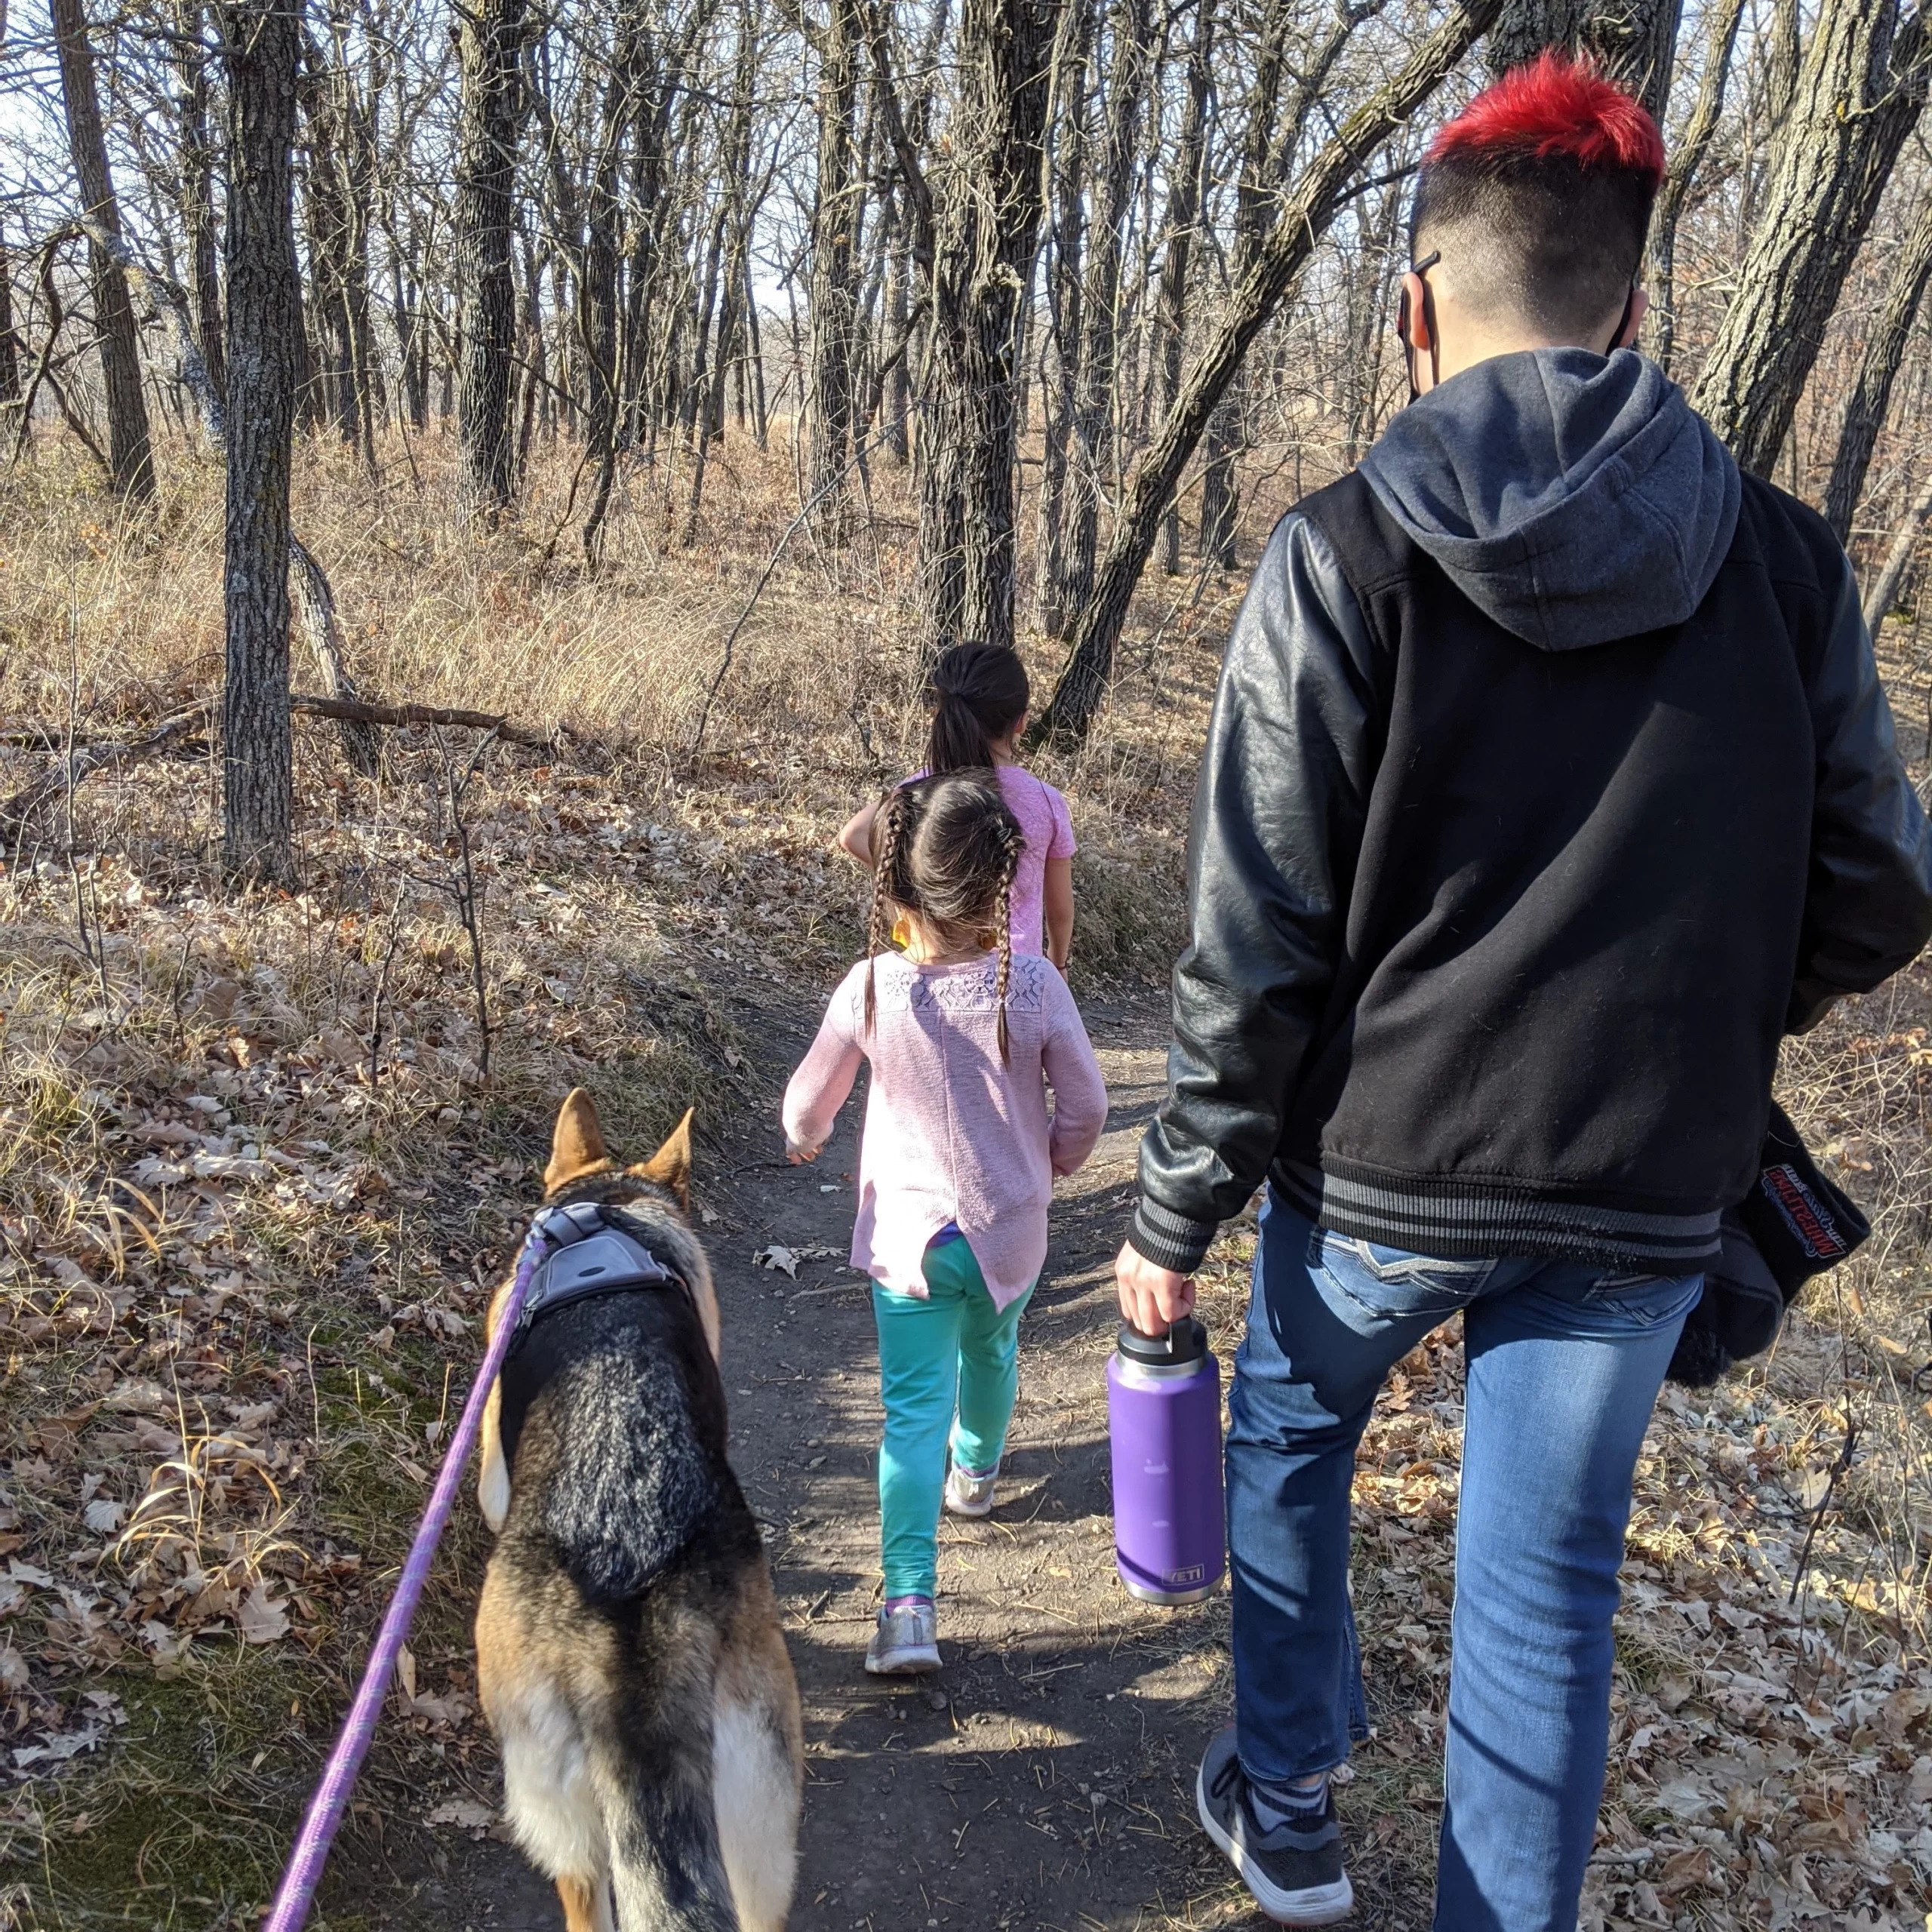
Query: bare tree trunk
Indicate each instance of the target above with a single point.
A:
(1184, 195)
(895, 394)
(1634, 41)
(10, 343)
(530, 374)
(1065, 324)
(355, 84)
(1220, 497)
(1688, 158)
(490, 37)
(407, 301)
(1786, 34)
(837, 207)
(648, 139)
(264, 314)
(979, 239)
(1129, 61)
(327, 223)
(1884, 350)
(1366, 306)
(1884, 591)
(1860, 92)
(197, 192)
(1303, 217)
(130, 459)
(598, 288)
(735, 191)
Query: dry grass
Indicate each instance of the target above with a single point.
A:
(252, 1175)
(252, 1178)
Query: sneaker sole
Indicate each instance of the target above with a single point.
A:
(954, 1508)
(1313, 1905)
(911, 1663)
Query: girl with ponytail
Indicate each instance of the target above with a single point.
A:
(979, 695)
(966, 1034)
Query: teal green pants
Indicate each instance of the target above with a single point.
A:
(948, 1365)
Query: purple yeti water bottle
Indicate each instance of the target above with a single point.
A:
(1163, 1418)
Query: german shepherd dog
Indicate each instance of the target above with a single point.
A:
(629, 1653)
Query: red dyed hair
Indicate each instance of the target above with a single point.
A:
(1556, 106)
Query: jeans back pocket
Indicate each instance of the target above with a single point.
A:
(1391, 1281)
(1644, 1300)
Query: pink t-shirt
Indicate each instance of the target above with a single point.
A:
(950, 1134)
(1048, 825)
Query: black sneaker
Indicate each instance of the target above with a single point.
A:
(1294, 1872)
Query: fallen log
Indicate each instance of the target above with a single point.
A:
(53, 738)
(314, 605)
(64, 775)
(361, 711)
(95, 754)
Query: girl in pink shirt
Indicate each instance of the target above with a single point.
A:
(980, 696)
(965, 1035)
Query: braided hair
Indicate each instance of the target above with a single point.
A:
(888, 833)
(1013, 844)
(948, 849)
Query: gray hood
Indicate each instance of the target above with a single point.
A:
(1575, 498)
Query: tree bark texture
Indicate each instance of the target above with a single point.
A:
(10, 344)
(1184, 197)
(1884, 594)
(1685, 161)
(264, 318)
(597, 286)
(1303, 216)
(984, 226)
(895, 388)
(336, 96)
(1130, 59)
(313, 601)
(1634, 41)
(1861, 88)
(1884, 350)
(837, 207)
(198, 221)
(1220, 495)
(131, 458)
(327, 221)
(489, 130)
(1065, 311)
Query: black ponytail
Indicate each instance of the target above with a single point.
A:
(979, 693)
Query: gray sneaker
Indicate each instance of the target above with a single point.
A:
(969, 1495)
(905, 1642)
(1294, 1871)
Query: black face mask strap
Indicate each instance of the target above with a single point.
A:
(1427, 262)
(1622, 320)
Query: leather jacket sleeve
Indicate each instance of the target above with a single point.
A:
(1277, 825)
(1867, 909)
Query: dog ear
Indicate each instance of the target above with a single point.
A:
(671, 1165)
(576, 1147)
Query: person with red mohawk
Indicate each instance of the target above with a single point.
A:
(1549, 783)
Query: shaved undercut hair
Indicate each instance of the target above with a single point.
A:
(1538, 196)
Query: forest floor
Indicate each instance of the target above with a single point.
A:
(257, 1179)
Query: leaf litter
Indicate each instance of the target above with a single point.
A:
(257, 1190)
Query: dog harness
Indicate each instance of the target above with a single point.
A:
(581, 1248)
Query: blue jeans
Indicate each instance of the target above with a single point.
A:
(1564, 1362)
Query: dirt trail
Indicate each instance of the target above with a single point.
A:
(1043, 1778)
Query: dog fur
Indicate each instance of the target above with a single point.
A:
(629, 1654)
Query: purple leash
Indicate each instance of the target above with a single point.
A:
(297, 1891)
